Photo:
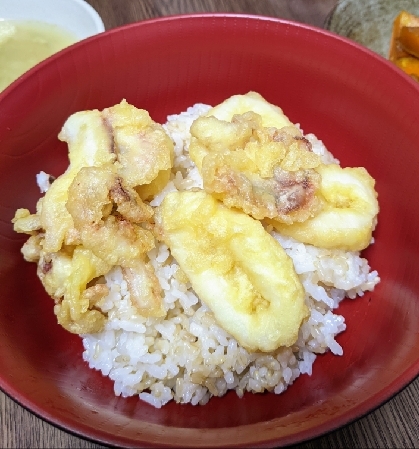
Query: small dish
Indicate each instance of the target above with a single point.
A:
(368, 22)
(76, 16)
(32, 30)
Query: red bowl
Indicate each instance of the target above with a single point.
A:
(366, 112)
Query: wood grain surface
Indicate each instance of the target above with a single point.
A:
(393, 425)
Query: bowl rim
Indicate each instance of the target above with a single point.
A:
(204, 15)
(357, 412)
(87, 8)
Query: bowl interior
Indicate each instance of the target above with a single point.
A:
(362, 108)
(76, 16)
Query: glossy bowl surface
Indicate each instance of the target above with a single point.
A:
(363, 108)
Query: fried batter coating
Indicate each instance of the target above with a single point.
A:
(65, 276)
(251, 158)
(32, 248)
(123, 135)
(272, 115)
(348, 217)
(89, 144)
(236, 268)
(115, 237)
(89, 140)
(142, 147)
(144, 287)
(91, 218)
(266, 172)
(26, 223)
(148, 191)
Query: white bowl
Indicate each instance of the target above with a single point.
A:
(76, 16)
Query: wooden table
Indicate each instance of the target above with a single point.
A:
(393, 425)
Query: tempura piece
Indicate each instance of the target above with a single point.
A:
(237, 269)
(266, 172)
(123, 135)
(74, 308)
(89, 144)
(349, 215)
(108, 214)
(273, 175)
(144, 287)
(142, 147)
(92, 218)
(272, 115)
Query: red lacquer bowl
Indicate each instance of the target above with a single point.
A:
(366, 112)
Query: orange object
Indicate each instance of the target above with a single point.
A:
(409, 40)
(404, 19)
(409, 65)
(404, 43)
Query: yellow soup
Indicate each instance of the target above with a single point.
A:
(25, 43)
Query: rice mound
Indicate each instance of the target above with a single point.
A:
(186, 356)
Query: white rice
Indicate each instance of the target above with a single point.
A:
(186, 356)
(44, 181)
